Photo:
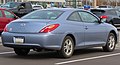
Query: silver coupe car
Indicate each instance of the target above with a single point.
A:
(61, 29)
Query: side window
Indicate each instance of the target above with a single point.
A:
(112, 12)
(74, 17)
(87, 17)
(1, 14)
(8, 14)
(28, 6)
(22, 6)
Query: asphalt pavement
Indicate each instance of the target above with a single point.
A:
(92, 56)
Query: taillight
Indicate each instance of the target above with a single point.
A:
(104, 17)
(5, 29)
(49, 28)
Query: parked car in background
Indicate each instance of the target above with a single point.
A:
(113, 15)
(0, 5)
(19, 8)
(60, 29)
(6, 17)
(36, 7)
(105, 6)
(118, 8)
(80, 7)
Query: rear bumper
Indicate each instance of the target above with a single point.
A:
(42, 40)
(13, 45)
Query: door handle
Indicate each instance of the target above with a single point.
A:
(86, 27)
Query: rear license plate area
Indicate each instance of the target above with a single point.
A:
(18, 40)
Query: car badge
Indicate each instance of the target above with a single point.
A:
(10, 29)
(23, 24)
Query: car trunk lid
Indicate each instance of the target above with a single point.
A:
(27, 26)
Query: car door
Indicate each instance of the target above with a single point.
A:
(95, 33)
(76, 28)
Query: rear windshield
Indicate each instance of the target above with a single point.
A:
(98, 12)
(44, 14)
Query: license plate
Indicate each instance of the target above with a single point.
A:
(18, 40)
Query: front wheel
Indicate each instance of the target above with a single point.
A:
(67, 48)
(111, 43)
(21, 51)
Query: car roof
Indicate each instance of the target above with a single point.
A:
(36, 5)
(105, 9)
(63, 9)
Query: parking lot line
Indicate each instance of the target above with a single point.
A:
(85, 59)
(6, 52)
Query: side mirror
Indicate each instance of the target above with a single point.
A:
(103, 18)
(16, 17)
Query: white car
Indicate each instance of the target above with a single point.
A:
(36, 7)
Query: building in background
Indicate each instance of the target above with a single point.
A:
(5, 1)
(68, 3)
(73, 3)
(45, 3)
(78, 3)
(108, 2)
(49, 3)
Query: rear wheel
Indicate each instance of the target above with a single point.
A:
(21, 51)
(67, 47)
(111, 43)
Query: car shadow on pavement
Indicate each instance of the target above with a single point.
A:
(37, 55)
(88, 51)
(53, 54)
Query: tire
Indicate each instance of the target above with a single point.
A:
(110, 44)
(67, 48)
(21, 51)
